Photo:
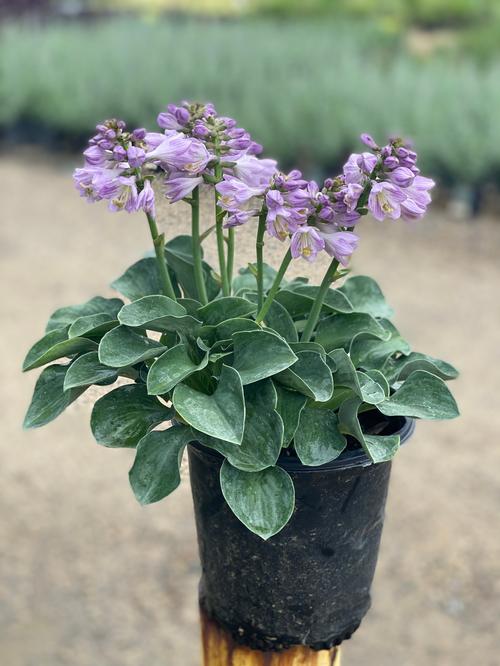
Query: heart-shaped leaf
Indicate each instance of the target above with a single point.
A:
(338, 330)
(171, 368)
(279, 320)
(122, 346)
(404, 367)
(55, 345)
(98, 305)
(260, 354)
(380, 448)
(220, 415)
(140, 279)
(93, 325)
(263, 501)
(289, 406)
(369, 353)
(422, 396)
(123, 416)
(310, 375)
(318, 439)
(225, 308)
(158, 313)
(87, 370)
(245, 280)
(156, 469)
(366, 296)
(49, 397)
(335, 300)
(180, 259)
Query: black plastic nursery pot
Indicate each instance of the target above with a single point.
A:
(310, 583)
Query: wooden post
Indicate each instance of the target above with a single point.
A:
(219, 649)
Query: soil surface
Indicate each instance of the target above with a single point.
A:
(88, 577)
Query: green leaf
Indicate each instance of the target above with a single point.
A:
(338, 330)
(263, 501)
(87, 370)
(380, 448)
(366, 296)
(122, 346)
(308, 346)
(123, 416)
(220, 415)
(140, 279)
(335, 300)
(416, 361)
(225, 308)
(371, 391)
(246, 279)
(318, 439)
(156, 469)
(171, 368)
(55, 345)
(380, 379)
(362, 384)
(158, 313)
(310, 375)
(279, 320)
(98, 305)
(263, 435)
(92, 325)
(422, 396)
(180, 259)
(49, 397)
(225, 330)
(260, 354)
(290, 405)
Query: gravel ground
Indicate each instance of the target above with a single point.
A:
(89, 578)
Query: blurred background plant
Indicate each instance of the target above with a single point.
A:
(303, 75)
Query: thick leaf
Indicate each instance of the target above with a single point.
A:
(366, 296)
(55, 345)
(180, 259)
(260, 354)
(310, 375)
(318, 439)
(171, 368)
(380, 448)
(422, 396)
(297, 305)
(263, 435)
(362, 384)
(158, 313)
(92, 325)
(225, 330)
(246, 278)
(335, 300)
(220, 415)
(416, 361)
(87, 370)
(98, 305)
(279, 320)
(380, 379)
(308, 346)
(225, 308)
(263, 501)
(49, 397)
(338, 330)
(122, 346)
(123, 416)
(141, 279)
(156, 469)
(371, 391)
(290, 405)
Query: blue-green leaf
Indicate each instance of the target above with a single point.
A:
(366, 296)
(55, 345)
(338, 330)
(158, 313)
(263, 501)
(260, 354)
(122, 346)
(318, 439)
(156, 469)
(98, 305)
(225, 308)
(93, 325)
(179, 255)
(171, 368)
(310, 375)
(423, 396)
(86, 370)
(290, 405)
(140, 279)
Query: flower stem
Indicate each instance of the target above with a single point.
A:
(195, 236)
(219, 218)
(259, 249)
(159, 246)
(312, 320)
(275, 286)
(230, 257)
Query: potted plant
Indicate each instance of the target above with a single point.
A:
(292, 399)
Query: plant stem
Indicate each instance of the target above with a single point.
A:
(159, 245)
(312, 320)
(195, 236)
(275, 286)
(230, 257)
(259, 249)
(219, 217)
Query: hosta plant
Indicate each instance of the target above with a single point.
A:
(250, 364)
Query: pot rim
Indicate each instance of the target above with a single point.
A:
(348, 459)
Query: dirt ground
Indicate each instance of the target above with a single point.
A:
(89, 578)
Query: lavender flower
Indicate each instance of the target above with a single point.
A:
(253, 171)
(179, 186)
(385, 200)
(235, 194)
(338, 244)
(306, 243)
(181, 153)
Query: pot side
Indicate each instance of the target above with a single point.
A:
(310, 583)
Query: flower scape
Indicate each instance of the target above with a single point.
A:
(250, 365)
